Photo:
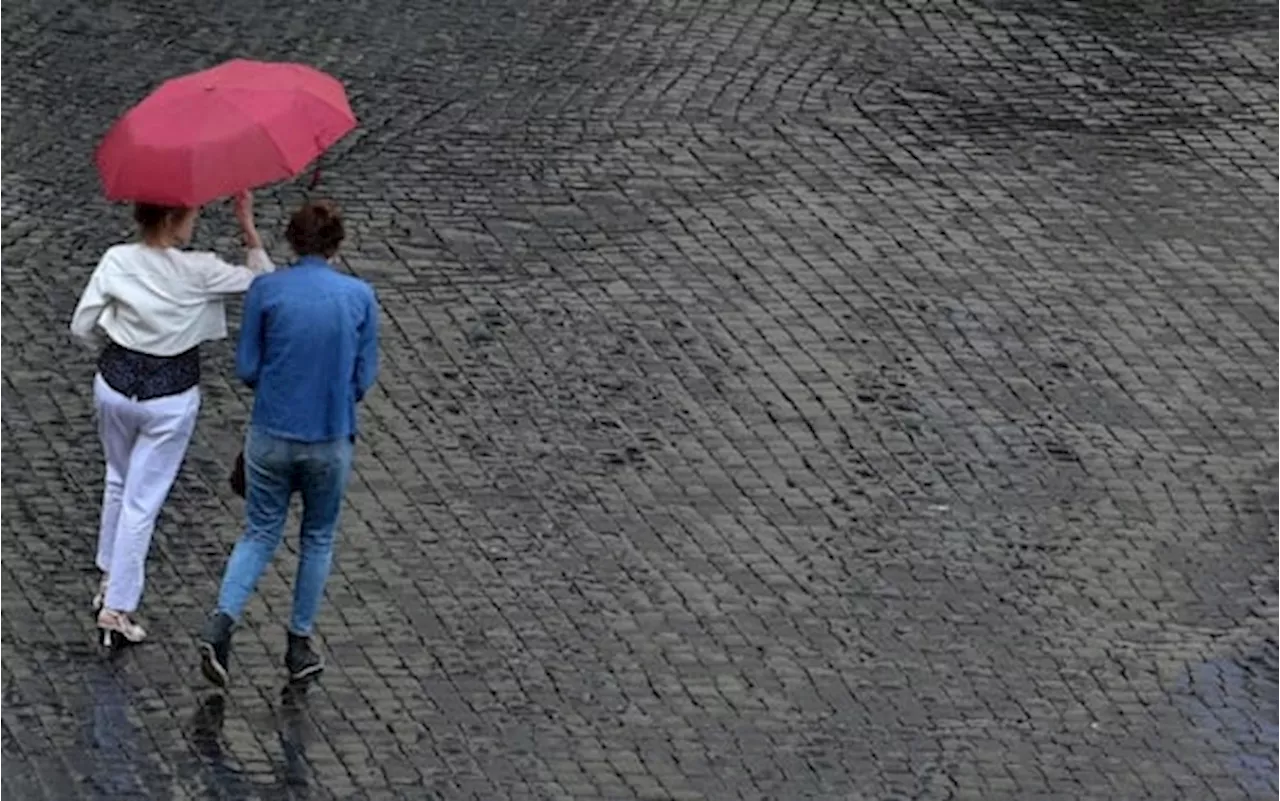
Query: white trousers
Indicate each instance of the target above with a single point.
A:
(144, 442)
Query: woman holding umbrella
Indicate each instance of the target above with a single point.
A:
(149, 305)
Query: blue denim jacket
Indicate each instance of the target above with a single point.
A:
(309, 348)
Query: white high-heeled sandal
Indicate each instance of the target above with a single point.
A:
(113, 624)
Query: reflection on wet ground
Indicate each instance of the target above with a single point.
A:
(220, 774)
(112, 755)
(1234, 703)
(115, 745)
(117, 748)
(291, 728)
(293, 735)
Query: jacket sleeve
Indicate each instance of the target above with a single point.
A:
(249, 346)
(93, 301)
(221, 278)
(367, 355)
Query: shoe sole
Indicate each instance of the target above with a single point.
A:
(210, 667)
(113, 639)
(307, 672)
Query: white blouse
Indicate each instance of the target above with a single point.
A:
(161, 302)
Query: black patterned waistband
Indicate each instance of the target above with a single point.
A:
(142, 376)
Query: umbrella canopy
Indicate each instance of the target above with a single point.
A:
(240, 125)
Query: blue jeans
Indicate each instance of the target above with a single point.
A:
(275, 469)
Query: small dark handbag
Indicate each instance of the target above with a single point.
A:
(237, 479)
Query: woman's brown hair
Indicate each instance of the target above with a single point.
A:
(316, 229)
(153, 218)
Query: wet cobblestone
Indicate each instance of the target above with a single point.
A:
(800, 400)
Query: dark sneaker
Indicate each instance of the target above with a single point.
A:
(215, 648)
(300, 660)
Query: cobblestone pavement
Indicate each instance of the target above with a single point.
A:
(781, 400)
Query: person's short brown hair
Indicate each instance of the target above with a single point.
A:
(316, 229)
(153, 218)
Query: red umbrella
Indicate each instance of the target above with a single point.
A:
(210, 134)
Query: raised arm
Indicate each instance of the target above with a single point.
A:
(221, 278)
(228, 279)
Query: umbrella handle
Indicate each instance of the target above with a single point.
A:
(315, 179)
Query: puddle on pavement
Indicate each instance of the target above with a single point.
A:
(1232, 700)
(118, 756)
